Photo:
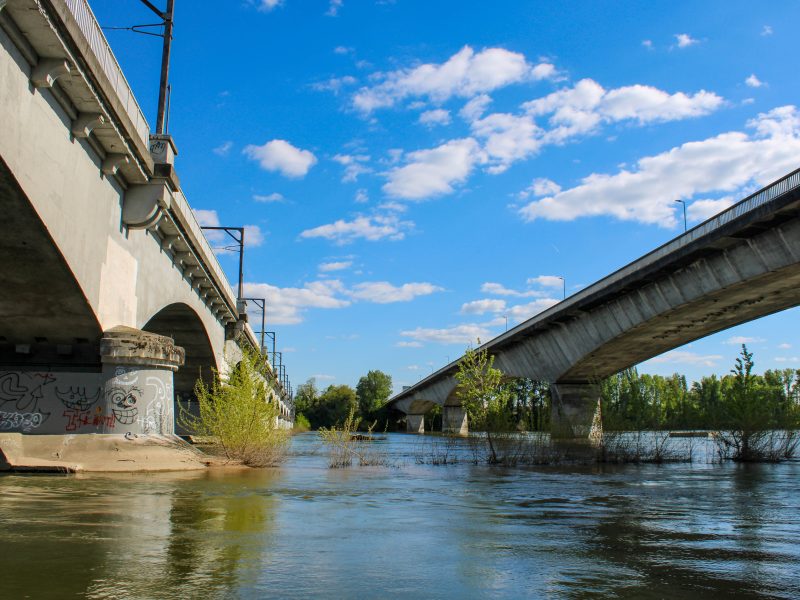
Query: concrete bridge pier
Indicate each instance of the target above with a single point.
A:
(415, 423)
(454, 420)
(575, 412)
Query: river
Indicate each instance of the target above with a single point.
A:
(410, 530)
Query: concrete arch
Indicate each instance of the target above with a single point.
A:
(182, 324)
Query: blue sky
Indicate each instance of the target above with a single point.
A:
(413, 174)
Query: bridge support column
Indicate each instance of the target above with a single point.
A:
(415, 423)
(132, 393)
(454, 420)
(575, 412)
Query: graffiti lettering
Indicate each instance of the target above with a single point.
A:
(22, 421)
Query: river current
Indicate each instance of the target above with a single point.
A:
(410, 530)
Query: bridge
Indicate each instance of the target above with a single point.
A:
(112, 301)
(738, 266)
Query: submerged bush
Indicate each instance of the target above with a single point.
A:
(345, 445)
(239, 415)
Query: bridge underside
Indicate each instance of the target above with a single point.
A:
(44, 316)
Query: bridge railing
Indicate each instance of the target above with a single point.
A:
(91, 30)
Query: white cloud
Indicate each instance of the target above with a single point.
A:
(523, 312)
(583, 107)
(433, 172)
(431, 118)
(342, 50)
(507, 138)
(460, 334)
(789, 359)
(647, 194)
(413, 367)
(353, 166)
(404, 344)
(341, 265)
(480, 307)
(373, 228)
(206, 218)
(766, 30)
(393, 207)
(685, 40)
(551, 281)
(540, 187)
(784, 346)
(383, 292)
(738, 340)
(324, 377)
(273, 197)
(280, 155)
(500, 290)
(253, 236)
(700, 210)
(753, 81)
(223, 149)
(464, 74)
(684, 357)
(287, 305)
(333, 7)
(647, 44)
(361, 196)
(475, 108)
(334, 84)
(268, 5)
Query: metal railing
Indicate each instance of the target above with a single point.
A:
(97, 42)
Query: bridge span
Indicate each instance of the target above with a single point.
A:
(112, 301)
(738, 266)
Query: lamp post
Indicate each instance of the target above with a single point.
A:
(684, 213)
(262, 304)
(237, 234)
(563, 287)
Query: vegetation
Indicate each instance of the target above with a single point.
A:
(238, 414)
(332, 406)
(345, 445)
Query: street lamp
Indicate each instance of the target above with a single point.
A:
(563, 287)
(684, 213)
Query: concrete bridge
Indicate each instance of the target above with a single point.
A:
(112, 301)
(737, 266)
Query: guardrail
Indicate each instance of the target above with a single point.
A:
(91, 30)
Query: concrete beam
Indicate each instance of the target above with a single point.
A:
(415, 423)
(575, 412)
(454, 420)
(46, 72)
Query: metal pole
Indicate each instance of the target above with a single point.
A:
(165, 52)
(684, 214)
(241, 262)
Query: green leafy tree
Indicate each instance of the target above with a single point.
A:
(332, 406)
(372, 391)
(305, 398)
(240, 414)
(484, 397)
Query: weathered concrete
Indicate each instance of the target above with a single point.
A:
(575, 411)
(415, 423)
(738, 266)
(454, 420)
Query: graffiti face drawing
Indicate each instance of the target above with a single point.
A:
(76, 398)
(124, 404)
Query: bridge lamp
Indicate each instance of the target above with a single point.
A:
(563, 289)
(684, 213)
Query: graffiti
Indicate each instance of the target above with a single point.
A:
(158, 415)
(22, 421)
(17, 397)
(124, 401)
(83, 418)
(10, 389)
(76, 398)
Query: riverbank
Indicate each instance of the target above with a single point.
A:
(101, 453)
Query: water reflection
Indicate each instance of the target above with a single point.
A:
(466, 531)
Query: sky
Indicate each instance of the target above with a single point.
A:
(415, 175)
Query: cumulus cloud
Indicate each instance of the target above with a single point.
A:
(431, 118)
(738, 340)
(460, 334)
(383, 292)
(684, 40)
(374, 228)
(464, 74)
(433, 172)
(475, 108)
(281, 156)
(784, 346)
(700, 210)
(583, 107)
(480, 307)
(333, 7)
(206, 218)
(753, 81)
(684, 357)
(647, 44)
(269, 198)
(219, 239)
(523, 312)
(540, 187)
(223, 149)
(353, 166)
(362, 197)
(288, 305)
(340, 265)
(551, 281)
(334, 84)
(268, 5)
(507, 138)
(498, 289)
(253, 236)
(647, 193)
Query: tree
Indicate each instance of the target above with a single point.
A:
(484, 397)
(305, 397)
(240, 413)
(372, 392)
(332, 406)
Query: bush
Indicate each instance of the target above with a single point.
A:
(301, 423)
(345, 445)
(239, 415)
